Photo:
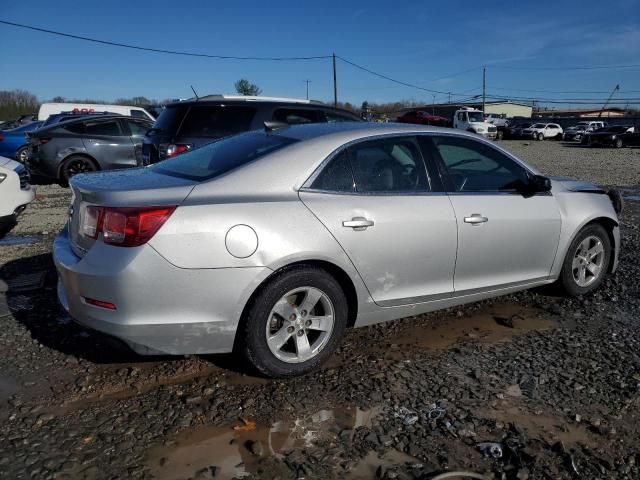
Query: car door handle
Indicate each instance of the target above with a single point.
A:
(358, 223)
(475, 219)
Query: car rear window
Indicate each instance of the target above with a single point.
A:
(216, 121)
(169, 119)
(222, 156)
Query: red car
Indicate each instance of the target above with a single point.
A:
(423, 118)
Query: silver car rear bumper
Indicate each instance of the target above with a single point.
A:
(160, 308)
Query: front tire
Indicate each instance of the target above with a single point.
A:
(499, 135)
(294, 323)
(540, 137)
(619, 143)
(587, 261)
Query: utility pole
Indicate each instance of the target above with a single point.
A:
(335, 83)
(608, 100)
(484, 86)
(433, 105)
(307, 82)
(449, 97)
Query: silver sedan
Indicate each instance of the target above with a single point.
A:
(271, 243)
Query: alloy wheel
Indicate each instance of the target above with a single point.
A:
(78, 166)
(588, 261)
(300, 325)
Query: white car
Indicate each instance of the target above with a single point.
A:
(16, 193)
(540, 131)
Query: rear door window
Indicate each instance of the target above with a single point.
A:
(216, 121)
(109, 128)
(336, 175)
(294, 116)
(137, 128)
(169, 119)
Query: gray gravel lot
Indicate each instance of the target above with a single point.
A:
(560, 391)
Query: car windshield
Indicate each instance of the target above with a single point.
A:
(219, 157)
(476, 117)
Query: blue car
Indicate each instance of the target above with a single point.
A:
(13, 143)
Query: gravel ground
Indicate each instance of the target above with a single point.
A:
(558, 391)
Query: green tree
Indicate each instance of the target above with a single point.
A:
(244, 87)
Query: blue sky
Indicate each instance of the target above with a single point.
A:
(420, 42)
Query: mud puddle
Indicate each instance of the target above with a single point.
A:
(543, 425)
(234, 452)
(631, 195)
(19, 240)
(494, 324)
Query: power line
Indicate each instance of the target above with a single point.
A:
(563, 91)
(159, 50)
(592, 67)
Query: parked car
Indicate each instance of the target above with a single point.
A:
(541, 131)
(86, 144)
(16, 193)
(515, 131)
(186, 125)
(419, 117)
(592, 125)
(274, 241)
(576, 132)
(22, 120)
(14, 144)
(497, 119)
(614, 136)
(48, 109)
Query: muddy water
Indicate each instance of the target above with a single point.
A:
(496, 323)
(18, 240)
(237, 452)
(631, 194)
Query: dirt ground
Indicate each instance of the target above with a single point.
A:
(528, 386)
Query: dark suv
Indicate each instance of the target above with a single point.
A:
(185, 125)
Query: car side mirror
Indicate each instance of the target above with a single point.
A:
(540, 183)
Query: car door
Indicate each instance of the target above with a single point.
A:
(375, 198)
(505, 237)
(136, 130)
(107, 142)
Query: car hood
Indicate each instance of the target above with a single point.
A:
(572, 185)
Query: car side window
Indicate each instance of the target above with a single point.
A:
(294, 116)
(474, 166)
(110, 128)
(138, 129)
(336, 176)
(389, 165)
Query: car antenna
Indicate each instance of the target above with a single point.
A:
(273, 126)
(195, 93)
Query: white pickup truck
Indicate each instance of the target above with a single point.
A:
(472, 120)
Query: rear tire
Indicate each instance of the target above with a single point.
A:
(74, 165)
(277, 335)
(586, 262)
(21, 155)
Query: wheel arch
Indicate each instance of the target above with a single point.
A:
(334, 270)
(609, 225)
(77, 154)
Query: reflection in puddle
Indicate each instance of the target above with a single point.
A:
(499, 322)
(18, 240)
(233, 453)
(632, 195)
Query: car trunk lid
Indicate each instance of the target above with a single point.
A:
(123, 188)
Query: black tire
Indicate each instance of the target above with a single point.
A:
(618, 143)
(567, 281)
(499, 135)
(74, 165)
(4, 230)
(21, 154)
(540, 137)
(251, 336)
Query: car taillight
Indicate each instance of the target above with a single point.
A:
(1, 137)
(44, 140)
(176, 149)
(125, 227)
